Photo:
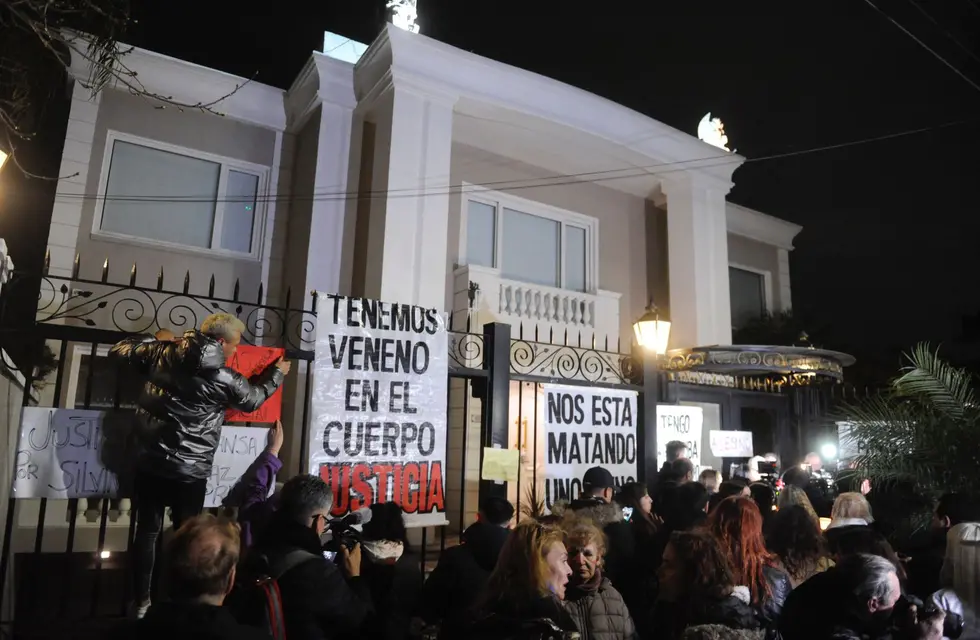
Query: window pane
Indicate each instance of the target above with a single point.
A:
(574, 258)
(481, 231)
(239, 211)
(530, 248)
(748, 295)
(160, 195)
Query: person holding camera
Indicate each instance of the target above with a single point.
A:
(317, 601)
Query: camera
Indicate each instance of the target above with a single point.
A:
(952, 625)
(343, 534)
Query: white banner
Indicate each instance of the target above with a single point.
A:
(380, 384)
(682, 423)
(730, 444)
(848, 446)
(65, 453)
(585, 428)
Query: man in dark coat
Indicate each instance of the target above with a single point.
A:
(460, 577)
(179, 418)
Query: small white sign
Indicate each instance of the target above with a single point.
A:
(683, 423)
(731, 444)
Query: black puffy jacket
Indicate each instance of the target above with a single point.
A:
(183, 404)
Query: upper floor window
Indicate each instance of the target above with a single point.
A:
(530, 242)
(180, 198)
(749, 295)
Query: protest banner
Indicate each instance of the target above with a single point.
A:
(72, 453)
(682, 423)
(730, 444)
(250, 361)
(380, 383)
(585, 428)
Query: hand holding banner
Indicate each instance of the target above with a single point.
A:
(251, 361)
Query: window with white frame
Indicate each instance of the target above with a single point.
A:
(177, 197)
(747, 290)
(529, 242)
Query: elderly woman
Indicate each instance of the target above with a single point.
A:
(526, 589)
(595, 605)
(850, 511)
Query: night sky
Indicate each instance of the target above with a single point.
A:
(888, 255)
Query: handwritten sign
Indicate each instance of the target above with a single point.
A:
(80, 453)
(680, 423)
(730, 444)
(501, 465)
(237, 450)
(378, 434)
(250, 361)
(585, 428)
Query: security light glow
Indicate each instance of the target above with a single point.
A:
(829, 451)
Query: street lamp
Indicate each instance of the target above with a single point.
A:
(652, 333)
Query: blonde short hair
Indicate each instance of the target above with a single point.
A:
(222, 326)
(851, 505)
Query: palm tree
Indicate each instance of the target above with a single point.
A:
(923, 431)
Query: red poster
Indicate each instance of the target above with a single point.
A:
(250, 361)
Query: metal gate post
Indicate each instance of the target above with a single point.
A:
(648, 433)
(496, 402)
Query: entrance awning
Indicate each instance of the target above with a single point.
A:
(765, 367)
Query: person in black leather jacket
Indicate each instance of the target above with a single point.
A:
(179, 418)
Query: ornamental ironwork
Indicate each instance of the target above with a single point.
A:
(568, 363)
(791, 363)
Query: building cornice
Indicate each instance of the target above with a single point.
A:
(322, 79)
(450, 72)
(188, 84)
(760, 227)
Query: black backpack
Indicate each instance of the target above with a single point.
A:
(256, 601)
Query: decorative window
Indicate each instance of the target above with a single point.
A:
(750, 297)
(530, 242)
(174, 197)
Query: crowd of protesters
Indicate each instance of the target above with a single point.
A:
(692, 558)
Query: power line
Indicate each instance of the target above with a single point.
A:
(946, 31)
(924, 45)
(529, 183)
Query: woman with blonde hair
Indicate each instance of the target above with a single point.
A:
(960, 578)
(594, 604)
(794, 496)
(525, 592)
(850, 509)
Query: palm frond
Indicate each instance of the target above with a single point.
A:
(931, 380)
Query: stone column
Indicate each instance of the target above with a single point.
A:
(697, 246)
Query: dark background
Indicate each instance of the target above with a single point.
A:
(888, 253)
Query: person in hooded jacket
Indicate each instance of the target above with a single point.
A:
(392, 573)
(459, 579)
(596, 607)
(179, 418)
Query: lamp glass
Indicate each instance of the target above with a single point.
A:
(652, 333)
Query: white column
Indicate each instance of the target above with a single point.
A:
(416, 227)
(785, 290)
(697, 237)
(324, 263)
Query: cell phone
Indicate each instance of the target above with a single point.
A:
(627, 513)
(330, 555)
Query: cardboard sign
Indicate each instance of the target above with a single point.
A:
(250, 361)
(730, 444)
(585, 428)
(79, 453)
(683, 423)
(380, 386)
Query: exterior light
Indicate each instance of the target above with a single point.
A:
(105, 555)
(652, 333)
(3, 158)
(829, 451)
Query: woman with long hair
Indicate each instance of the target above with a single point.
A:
(798, 545)
(737, 525)
(598, 609)
(698, 587)
(794, 496)
(525, 591)
(634, 497)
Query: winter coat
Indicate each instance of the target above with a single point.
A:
(317, 602)
(459, 579)
(188, 621)
(183, 404)
(733, 612)
(543, 619)
(620, 559)
(251, 496)
(780, 587)
(599, 611)
(394, 580)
